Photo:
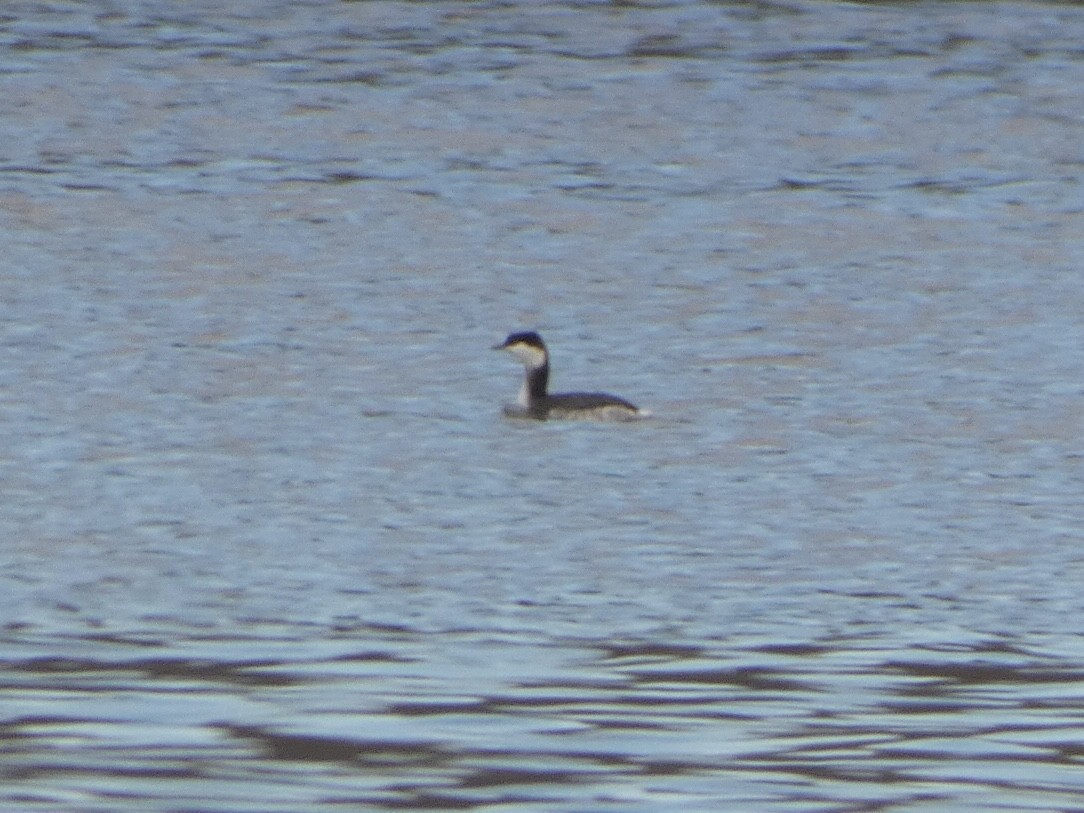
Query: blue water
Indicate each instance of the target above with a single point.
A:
(267, 544)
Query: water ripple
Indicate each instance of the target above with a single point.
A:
(267, 544)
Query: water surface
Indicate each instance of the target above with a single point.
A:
(266, 543)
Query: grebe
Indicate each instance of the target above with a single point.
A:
(535, 402)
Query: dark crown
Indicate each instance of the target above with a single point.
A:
(527, 337)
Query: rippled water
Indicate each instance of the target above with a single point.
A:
(267, 543)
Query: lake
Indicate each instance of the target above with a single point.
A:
(267, 543)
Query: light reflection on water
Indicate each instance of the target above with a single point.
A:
(406, 722)
(268, 545)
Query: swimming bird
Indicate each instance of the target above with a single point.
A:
(535, 402)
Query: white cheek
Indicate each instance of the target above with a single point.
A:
(530, 356)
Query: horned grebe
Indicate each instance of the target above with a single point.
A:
(535, 402)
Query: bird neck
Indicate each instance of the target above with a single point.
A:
(535, 381)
